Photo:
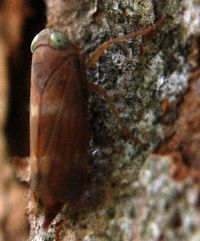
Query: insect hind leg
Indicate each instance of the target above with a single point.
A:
(125, 131)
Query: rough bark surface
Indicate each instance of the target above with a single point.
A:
(132, 194)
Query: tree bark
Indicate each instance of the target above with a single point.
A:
(136, 192)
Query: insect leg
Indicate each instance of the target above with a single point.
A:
(100, 50)
(98, 89)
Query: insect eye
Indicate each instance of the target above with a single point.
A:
(58, 40)
(34, 43)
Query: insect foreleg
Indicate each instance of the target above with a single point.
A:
(100, 50)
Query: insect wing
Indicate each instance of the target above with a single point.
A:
(59, 133)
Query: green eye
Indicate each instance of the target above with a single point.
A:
(34, 43)
(58, 40)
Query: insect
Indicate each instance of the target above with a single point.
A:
(58, 118)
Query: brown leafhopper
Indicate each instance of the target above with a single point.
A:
(58, 118)
(58, 122)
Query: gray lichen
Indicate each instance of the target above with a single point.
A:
(166, 208)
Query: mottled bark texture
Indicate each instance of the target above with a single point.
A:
(153, 82)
